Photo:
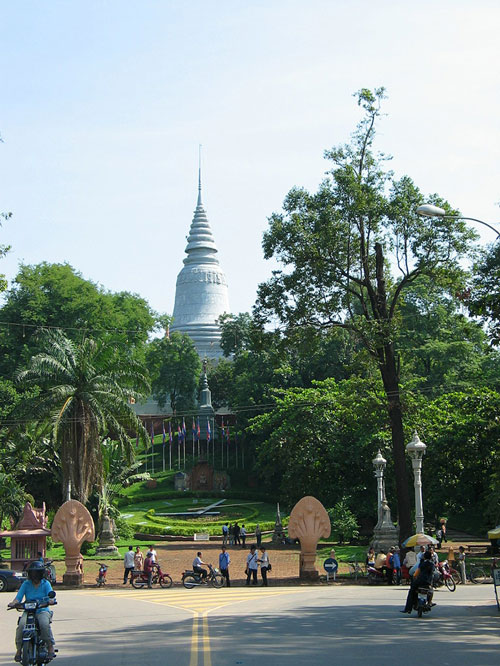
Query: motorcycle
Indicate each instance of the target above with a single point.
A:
(190, 579)
(101, 578)
(374, 576)
(50, 571)
(424, 601)
(34, 650)
(445, 577)
(140, 579)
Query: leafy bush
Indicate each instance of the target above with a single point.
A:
(123, 529)
(344, 524)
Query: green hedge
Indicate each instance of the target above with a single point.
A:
(159, 493)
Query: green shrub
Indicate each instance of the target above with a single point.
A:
(344, 524)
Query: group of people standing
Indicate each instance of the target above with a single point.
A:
(235, 535)
(253, 562)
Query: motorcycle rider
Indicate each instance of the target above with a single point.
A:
(422, 579)
(198, 565)
(35, 588)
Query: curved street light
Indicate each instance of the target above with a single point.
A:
(428, 210)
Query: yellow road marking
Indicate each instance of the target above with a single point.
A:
(200, 605)
(207, 658)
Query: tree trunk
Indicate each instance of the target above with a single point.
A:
(391, 386)
(390, 377)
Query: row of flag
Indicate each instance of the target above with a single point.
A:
(181, 432)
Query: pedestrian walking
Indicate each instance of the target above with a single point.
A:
(128, 563)
(231, 534)
(225, 533)
(461, 564)
(258, 535)
(396, 565)
(443, 529)
(138, 559)
(224, 562)
(243, 535)
(264, 565)
(252, 566)
(237, 531)
(148, 568)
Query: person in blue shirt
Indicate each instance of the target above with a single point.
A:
(224, 562)
(35, 588)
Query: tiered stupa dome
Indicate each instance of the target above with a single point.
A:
(201, 294)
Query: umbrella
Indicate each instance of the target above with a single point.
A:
(419, 540)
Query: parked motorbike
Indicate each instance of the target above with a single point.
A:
(191, 579)
(34, 650)
(424, 600)
(140, 579)
(101, 578)
(50, 571)
(375, 576)
(445, 576)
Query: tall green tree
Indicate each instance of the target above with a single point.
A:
(338, 249)
(86, 390)
(483, 297)
(55, 295)
(175, 368)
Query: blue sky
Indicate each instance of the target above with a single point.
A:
(104, 104)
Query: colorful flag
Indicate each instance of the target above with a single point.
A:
(208, 430)
(227, 434)
(222, 429)
(194, 429)
(179, 434)
(170, 438)
(183, 430)
(198, 431)
(152, 434)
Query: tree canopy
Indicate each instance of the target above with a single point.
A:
(86, 389)
(348, 254)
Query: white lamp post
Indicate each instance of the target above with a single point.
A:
(379, 463)
(428, 210)
(416, 450)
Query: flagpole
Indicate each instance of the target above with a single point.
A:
(227, 448)
(163, 446)
(152, 448)
(222, 447)
(169, 445)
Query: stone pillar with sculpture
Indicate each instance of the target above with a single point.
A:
(385, 534)
(309, 522)
(72, 526)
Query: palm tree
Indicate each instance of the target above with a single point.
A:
(85, 390)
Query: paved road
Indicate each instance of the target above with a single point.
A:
(278, 627)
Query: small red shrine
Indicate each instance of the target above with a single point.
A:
(29, 537)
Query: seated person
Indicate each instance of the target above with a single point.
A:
(198, 565)
(381, 561)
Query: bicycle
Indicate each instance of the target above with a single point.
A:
(355, 569)
(475, 574)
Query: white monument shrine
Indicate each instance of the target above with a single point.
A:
(201, 294)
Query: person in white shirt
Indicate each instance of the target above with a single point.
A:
(243, 535)
(264, 565)
(252, 566)
(128, 563)
(153, 554)
(198, 565)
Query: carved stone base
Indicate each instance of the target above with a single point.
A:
(307, 568)
(385, 537)
(106, 551)
(73, 579)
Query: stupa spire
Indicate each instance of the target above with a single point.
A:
(201, 295)
(199, 176)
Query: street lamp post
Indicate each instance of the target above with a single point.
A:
(416, 450)
(379, 463)
(428, 210)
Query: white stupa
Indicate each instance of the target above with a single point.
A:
(201, 294)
